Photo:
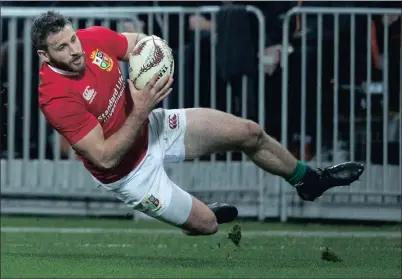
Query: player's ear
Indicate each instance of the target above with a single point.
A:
(43, 55)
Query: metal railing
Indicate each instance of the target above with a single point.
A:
(381, 179)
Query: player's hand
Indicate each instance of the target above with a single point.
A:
(152, 94)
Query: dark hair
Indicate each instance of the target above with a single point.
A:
(44, 25)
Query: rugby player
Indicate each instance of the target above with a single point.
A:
(123, 141)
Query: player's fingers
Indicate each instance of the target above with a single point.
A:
(166, 87)
(161, 83)
(152, 82)
(164, 95)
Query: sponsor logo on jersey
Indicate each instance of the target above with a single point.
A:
(102, 60)
(113, 101)
(89, 94)
(173, 120)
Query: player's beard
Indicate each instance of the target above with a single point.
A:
(71, 67)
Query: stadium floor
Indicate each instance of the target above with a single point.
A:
(101, 248)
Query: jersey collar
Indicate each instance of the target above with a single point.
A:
(63, 72)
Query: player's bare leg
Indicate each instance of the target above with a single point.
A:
(211, 131)
(204, 220)
(201, 221)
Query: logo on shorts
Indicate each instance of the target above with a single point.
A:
(102, 60)
(151, 203)
(173, 121)
(89, 94)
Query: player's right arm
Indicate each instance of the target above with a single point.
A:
(108, 153)
(84, 133)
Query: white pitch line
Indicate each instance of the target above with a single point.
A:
(194, 246)
(360, 234)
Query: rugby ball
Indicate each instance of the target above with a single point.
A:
(151, 55)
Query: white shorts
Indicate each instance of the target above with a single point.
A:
(148, 188)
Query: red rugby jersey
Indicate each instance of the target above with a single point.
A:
(75, 104)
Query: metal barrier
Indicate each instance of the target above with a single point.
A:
(378, 194)
(50, 184)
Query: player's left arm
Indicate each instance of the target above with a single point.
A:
(122, 44)
(132, 40)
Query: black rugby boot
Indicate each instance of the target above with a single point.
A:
(317, 181)
(224, 213)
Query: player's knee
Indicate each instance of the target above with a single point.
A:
(254, 135)
(201, 221)
(207, 226)
(212, 227)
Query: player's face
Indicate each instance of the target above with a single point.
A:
(64, 51)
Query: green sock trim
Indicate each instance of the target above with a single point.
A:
(298, 174)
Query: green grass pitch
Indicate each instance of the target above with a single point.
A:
(101, 248)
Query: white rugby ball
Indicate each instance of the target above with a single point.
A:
(151, 55)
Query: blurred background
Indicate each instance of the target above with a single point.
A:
(323, 77)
